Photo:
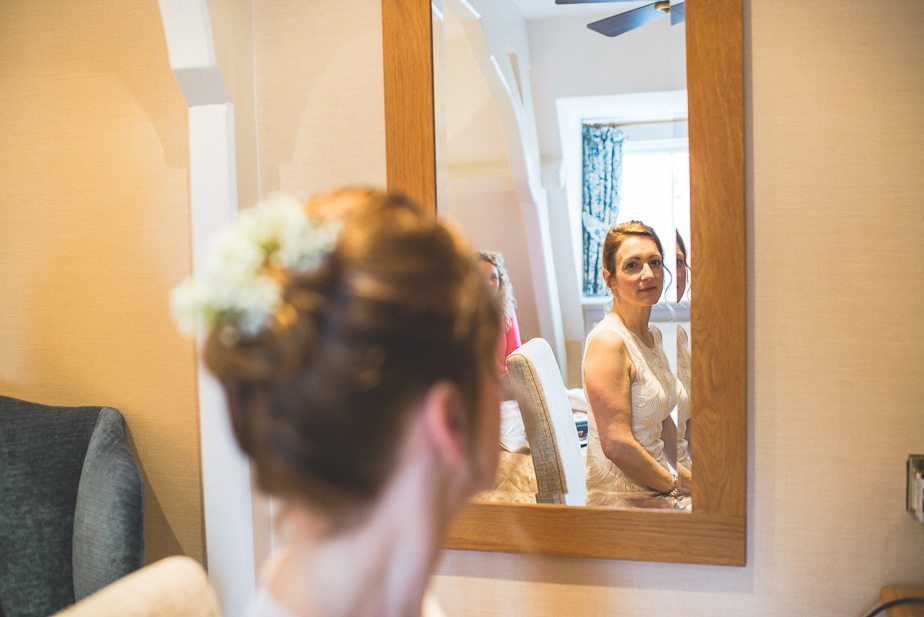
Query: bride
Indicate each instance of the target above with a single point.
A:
(629, 385)
(355, 341)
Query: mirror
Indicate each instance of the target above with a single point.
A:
(538, 153)
(715, 531)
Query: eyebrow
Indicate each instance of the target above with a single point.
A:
(640, 256)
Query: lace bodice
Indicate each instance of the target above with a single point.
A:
(655, 393)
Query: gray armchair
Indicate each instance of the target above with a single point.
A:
(71, 505)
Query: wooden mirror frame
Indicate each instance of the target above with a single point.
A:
(715, 532)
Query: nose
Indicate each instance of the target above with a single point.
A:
(647, 273)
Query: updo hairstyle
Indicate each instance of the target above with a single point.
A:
(321, 398)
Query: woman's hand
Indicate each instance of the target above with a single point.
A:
(684, 480)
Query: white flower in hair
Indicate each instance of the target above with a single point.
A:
(237, 292)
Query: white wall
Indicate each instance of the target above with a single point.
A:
(835, 268)
(479, 191)
(570, 60)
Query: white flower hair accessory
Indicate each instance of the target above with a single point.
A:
(240, 290)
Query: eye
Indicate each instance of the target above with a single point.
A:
(632, 265)
(681, 264)
(655, 263)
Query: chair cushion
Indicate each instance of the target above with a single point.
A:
(108, 519)
(41, 455)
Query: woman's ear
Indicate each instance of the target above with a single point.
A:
(606, 278)
(445, 421)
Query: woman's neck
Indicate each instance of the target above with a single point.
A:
(379, 568)
(634, 317)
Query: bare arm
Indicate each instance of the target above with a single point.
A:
(608, 374)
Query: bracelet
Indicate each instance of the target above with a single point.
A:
(675, 490)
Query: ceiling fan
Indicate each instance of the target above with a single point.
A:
(630, 20)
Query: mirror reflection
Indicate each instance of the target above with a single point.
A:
(549, 135)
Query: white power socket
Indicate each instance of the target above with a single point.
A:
(919, 496)
(914, 494)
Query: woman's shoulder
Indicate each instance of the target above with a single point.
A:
(607, 351)
(606, 338)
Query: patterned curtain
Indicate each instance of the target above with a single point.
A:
(600, 201)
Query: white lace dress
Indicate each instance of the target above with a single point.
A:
(655, 392)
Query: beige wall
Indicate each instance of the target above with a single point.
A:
(94, 231)
(232, 33)
(835, 151)
(319, 95)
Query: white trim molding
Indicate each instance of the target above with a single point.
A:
(226, 487)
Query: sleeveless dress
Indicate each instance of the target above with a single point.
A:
(655, 392)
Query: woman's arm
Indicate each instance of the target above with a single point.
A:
(608, 375)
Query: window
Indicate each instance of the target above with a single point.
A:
(651, 184)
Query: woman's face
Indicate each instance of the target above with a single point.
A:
(490, 274)
(639, 272)
(681, 274)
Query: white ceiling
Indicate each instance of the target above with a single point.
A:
(544, 9)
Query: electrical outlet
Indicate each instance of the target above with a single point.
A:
(915, 470)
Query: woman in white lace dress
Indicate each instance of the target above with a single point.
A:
(356, 343)
(629, 384)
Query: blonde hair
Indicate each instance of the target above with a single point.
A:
(505, 298)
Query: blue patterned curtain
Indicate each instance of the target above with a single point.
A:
(600, 201)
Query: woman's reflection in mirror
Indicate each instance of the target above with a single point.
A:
(631, 452)
(491, 265)
(684, 433)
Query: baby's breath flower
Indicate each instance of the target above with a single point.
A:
(235, 293)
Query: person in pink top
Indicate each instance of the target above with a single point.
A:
(494, 272)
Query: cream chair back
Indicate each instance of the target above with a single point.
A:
(553, 440)
(171, 587)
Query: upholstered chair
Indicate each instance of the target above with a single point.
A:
(549, 422)
(71, 513)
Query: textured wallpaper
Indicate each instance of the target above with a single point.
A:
(94, 231)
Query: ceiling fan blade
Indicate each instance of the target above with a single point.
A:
(590, 1)
(624, 22)
(678, 13)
